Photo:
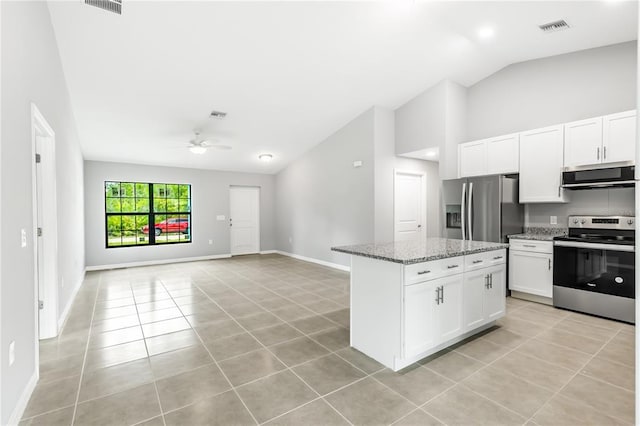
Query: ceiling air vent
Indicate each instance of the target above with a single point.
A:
(218, 114)
(114, 6)
(552, 27)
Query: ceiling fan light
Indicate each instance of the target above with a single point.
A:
(198, 149)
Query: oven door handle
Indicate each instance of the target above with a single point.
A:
(595, 246)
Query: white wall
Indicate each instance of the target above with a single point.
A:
(209, 197)
(386, 162)
(32, 72)
(556, 90)
(553, 90)
(322, 200)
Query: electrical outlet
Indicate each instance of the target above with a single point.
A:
(210, 242)
(220, 217)
(12, 352)
(357, 164)
(23, 238)
(553, 220)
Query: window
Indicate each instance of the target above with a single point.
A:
(130, 208)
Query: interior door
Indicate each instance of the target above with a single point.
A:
(244, 220)
(409, 206)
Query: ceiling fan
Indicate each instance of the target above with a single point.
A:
(200, 145)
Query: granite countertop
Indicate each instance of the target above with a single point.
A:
(408, 252)
(539, 234)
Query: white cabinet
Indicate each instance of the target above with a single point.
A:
(494, 156)
(419, 308)
(619, 137)
(448, 311)
(484, 295)
(531, 267)
(473, 159)
(541, 162)
(600, 140)
(503, 154)
(583, 142)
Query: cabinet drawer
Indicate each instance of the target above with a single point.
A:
(532, 246)
(484, 260)
(431, 270)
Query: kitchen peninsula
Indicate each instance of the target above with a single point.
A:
(410, 299)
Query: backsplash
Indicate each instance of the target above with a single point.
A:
(615, 201)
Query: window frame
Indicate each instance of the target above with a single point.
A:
(151, 215)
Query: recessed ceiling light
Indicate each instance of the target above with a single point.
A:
(265, 157)
(198, 149)
(486, 33)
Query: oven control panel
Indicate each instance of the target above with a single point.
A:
(602, 222)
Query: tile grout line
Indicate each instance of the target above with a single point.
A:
(86, 351)
(274, 355)
(557, 393)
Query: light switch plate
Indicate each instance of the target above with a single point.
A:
(12, 353)
(553, 220)
(357, 164)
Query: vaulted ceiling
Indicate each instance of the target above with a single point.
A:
(287, 73)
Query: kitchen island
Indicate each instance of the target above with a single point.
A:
(410, 299)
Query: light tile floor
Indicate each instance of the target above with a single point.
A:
(264, 339)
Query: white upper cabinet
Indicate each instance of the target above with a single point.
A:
(494, 156)
(583, 142)
(541, 161)
(503, 154)
(619, 137)
(600, 140)
(473, 159)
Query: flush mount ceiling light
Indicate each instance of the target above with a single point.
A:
(198, 149)
(486, 33)
(265, 157)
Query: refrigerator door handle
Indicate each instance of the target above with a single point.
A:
(462, 209)
(469, 211)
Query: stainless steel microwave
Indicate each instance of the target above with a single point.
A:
(622, 176)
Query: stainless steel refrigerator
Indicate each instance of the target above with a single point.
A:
(483, 208)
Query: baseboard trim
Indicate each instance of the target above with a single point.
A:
(18, 411)
(269, 252)
(65, 313)
(313, 260)
(156, 262)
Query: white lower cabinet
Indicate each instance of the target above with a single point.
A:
(419, 304)
(531, 267)
(441, 310)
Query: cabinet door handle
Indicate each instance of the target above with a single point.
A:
(497, 258)
(486, 281)
(491, 280)
(597, 153)
(452, 266)
(549, 264)
(442, 293)
(437, 295)
(604, 153)
(423, 272)
(475, 262)
(529, 245)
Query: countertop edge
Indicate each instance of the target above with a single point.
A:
(423, 259)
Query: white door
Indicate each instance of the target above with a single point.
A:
(473, 159)
(541, 162)
(583, 142)
(531, 273)
(244, 219)
(494, 295)
(619, 137)
(475, 283)
(449, 309)
(419, 302)
(409, 206)
(503, 154)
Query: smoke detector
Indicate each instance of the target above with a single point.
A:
(554, 26)
(114, 6)
(218, 114)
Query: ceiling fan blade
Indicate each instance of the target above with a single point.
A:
(221, 147)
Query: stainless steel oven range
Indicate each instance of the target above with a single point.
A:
(594, 267)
